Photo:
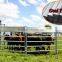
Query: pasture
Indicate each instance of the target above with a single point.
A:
(19, 57)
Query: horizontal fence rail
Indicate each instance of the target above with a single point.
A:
(24, 47)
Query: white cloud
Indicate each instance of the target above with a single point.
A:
(9, 12)
(10, 22)
(23, 2)
(52, 0)
(32, 1)
(29, 2)
(35, 18)
(9, 9)
(40, 8)
(2, 1)
(27, 20)
(33, 21)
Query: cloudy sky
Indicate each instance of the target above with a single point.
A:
(23, 12)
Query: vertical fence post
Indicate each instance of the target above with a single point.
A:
(4, 34)
(25, 40)
(0, 32)
(56, 51)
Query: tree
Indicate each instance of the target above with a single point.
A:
(48, 26)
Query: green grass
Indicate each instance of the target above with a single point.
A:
(19, 57)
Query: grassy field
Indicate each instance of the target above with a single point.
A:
(18, 57)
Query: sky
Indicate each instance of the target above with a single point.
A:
(24, 13)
